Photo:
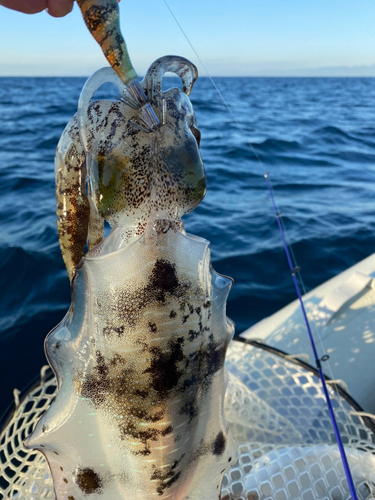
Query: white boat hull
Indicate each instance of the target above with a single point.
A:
(342, 315)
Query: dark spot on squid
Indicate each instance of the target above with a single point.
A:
(203, 364)
(164, 278)
(164, 370)
(218, 446)
(88, 481)
(172, 314)
(166, 477)
(109, 329)
(167, 430)
(145, 452)
(142, 393)
(153, 327)
(65, 480)
(193, 335)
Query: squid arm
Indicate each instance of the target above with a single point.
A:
(75, 220)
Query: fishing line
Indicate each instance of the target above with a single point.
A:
(211, 79)
(295, 271)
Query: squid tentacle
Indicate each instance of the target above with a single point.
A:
(72, 207)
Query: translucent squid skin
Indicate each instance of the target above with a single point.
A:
(139, 358)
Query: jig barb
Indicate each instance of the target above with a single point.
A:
(102, 20)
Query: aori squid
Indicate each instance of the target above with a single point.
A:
(139, 357)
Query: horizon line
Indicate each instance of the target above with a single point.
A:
(201, 76)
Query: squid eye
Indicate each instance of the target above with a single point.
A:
(196, 133)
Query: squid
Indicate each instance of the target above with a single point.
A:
(139, 357)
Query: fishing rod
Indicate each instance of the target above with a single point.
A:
(294, 271)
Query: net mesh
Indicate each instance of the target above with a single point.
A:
(287, 451)
(24, 474)
(277, 412)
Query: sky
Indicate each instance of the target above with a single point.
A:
(232, 38)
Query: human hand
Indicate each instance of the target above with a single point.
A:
(56, 8)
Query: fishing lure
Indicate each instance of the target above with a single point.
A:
(139, 357)
(102, 20)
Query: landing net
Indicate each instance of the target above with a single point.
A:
(277, 412)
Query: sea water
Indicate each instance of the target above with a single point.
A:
(316, 137)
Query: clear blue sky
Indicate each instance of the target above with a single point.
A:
(243, 37)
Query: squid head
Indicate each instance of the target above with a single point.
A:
(136, 172)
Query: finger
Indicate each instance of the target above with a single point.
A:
(25, 6)
(59, 8)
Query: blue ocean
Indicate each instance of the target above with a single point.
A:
(316, 137)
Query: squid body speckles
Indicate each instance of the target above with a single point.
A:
(139, 357)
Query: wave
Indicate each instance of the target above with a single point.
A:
(30, 282)
(48, 143)
(20, 183)
(276, 145)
